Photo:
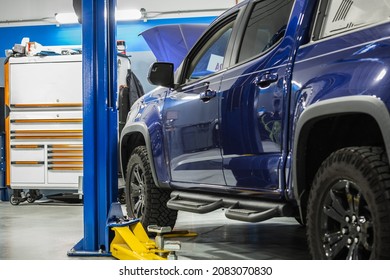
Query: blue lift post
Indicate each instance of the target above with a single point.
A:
(100, 181)
(106, 231)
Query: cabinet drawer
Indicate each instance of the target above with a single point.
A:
(26, 172)
(64, 176)
(27, 153)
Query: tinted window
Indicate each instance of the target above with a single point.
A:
(210, 58)
(343, 15)
(266, 26)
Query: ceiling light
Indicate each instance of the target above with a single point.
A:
(66, 18)
(120, 15)
(132, 14)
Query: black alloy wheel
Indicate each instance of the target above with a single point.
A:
(138, 187)
(349, 206)
(144, 200)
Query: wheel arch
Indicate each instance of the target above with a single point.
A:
(329, 125)
(132, 136)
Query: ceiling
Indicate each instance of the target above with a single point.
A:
(31, 12)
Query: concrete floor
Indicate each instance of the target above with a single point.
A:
(48, 230)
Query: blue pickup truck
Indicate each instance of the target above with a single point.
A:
(281, 108)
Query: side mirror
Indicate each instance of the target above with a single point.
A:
(161, 74)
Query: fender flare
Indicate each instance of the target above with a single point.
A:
(370, 105)
(142, 129)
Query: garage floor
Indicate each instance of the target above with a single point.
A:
(48, 230)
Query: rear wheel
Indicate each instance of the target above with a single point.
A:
(349, 206)
(144, 200)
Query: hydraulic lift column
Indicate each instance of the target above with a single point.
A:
(106, 231)
(100, 179)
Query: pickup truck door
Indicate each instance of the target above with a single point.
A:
(252, 104)
(190, 126)
(191, 113)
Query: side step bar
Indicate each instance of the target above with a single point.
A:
(194, 206)
(243, 209)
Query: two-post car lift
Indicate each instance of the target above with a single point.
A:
(106, 231)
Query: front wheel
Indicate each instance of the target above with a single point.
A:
(349, 207)
(144, 200)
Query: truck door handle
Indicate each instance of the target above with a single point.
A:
(207, 95)
(266, 80)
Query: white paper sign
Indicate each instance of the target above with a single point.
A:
(215, 63)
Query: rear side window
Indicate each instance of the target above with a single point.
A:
(266, 26)
(343, 15)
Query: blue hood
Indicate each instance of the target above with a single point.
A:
(171, 43)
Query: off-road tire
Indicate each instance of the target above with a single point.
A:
(349, 206)
(144, 200)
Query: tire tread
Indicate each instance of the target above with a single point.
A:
(156, 210)
(373, 164)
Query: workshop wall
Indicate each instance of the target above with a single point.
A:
(52, 35)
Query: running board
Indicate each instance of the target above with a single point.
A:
(242, 209)
(253, 216)
(194, 206)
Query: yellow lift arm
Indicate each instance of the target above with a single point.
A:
(131, 242)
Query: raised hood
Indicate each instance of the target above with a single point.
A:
(171, 43)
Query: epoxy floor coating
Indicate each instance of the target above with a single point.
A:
(48, 230)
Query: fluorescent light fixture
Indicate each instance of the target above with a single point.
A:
(66, 18)
(120, 15)
(132, 14)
